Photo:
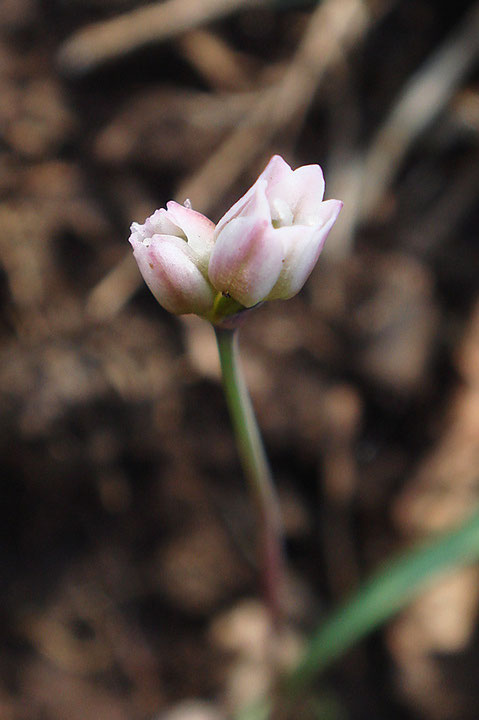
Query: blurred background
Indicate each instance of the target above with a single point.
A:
(127, 586)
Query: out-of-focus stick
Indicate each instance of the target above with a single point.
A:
(104, 41)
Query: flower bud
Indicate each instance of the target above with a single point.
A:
(172, 249)
(267, 244)
(263, 248)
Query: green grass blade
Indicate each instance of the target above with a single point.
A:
(388, 591)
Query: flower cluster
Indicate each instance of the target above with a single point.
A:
(263, 248)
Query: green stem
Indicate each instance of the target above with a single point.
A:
(256, 469)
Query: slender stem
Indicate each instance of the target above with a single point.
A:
(256, 469)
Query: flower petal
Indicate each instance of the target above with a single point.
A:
(302, 245)
(309, 183)
(276, 171)
(246, 260)
(253, 202)
(169, 269)
(157, 224)
(197, 228)
(302, 190)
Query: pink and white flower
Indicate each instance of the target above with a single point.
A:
(267, 244)
(263, 248)
(172, 249)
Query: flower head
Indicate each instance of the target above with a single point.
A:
(263, 248)
(267, 244)
(172, 249)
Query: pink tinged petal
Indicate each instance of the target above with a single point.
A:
(276, 171)
(198, 229)
(246, 260)
(303, 245)
(236, 209)
(253, 202)
(169, 269)
(302, 191)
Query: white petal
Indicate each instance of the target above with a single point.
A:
(197, 228)
(303, 245)
(281, 213)
(309, 181)
(160, 224)
(276, 171)
(302, 190)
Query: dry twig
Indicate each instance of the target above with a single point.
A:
(104, 41)
(367, 178)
